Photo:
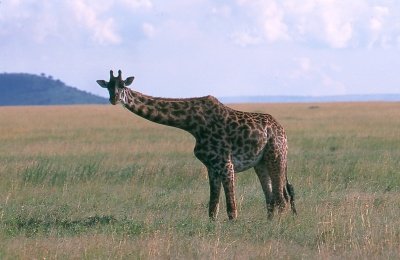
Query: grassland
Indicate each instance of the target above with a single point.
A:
(98, 182)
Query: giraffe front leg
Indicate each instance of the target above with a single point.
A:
(228, 182)
(215, 189)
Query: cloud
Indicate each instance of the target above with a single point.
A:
(223, 10)
(136, 4)
(333, 85)
(103, 31)
(245, 39)
(304, 68)
(334, 23)
(377, 20)
(273, 22)
(149, 30)
(310, 71)
(270, 17)
(378, 28)
(39, 21)
(338, 29)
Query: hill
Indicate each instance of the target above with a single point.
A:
(27, 89)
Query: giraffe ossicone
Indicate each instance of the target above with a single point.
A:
(227, 141)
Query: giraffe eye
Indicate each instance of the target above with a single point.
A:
(121, 85)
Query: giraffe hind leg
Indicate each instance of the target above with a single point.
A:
(275, 166)
(278, 185)
(228, 184)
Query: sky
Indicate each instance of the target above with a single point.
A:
(187, 48)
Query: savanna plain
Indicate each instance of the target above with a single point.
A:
(97, 182)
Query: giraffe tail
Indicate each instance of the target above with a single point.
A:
(290, 191)
(289, 194)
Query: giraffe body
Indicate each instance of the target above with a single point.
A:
(227, 141)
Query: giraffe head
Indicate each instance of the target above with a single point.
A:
(115, 86)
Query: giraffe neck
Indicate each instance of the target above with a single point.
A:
(180, 113)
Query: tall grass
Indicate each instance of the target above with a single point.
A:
(99, 182)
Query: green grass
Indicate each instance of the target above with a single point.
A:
(99, 182)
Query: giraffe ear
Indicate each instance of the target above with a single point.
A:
(102, 83)
(129, 81)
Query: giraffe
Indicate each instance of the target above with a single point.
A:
(227, 142)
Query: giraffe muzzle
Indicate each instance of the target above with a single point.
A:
(113, 101)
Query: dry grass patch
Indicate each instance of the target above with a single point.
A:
(99, 182)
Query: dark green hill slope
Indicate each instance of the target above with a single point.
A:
(26, 89)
